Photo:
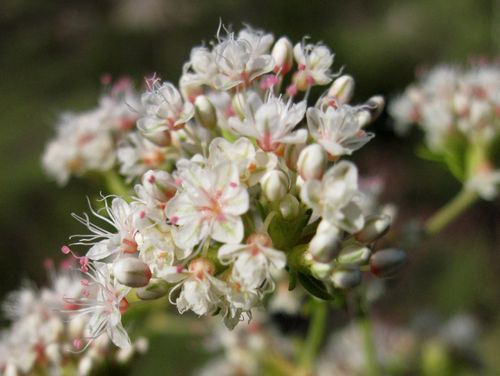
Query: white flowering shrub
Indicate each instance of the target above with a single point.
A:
(227, 180)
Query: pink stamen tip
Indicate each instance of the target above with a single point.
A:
(179, 268)
(151, 179)
(84, 282)
(65, 249)
(178, 181)
(85, 293)
(310, 80)
(174, 220)
(233, 184)
(302, 67)
(292, 90)
(84, 260)
(142, 214)
(84, 269)
(77, 343)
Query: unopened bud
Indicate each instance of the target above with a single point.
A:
(239, 103)
(204, 112)
(159, 137)
(292, 152)
(325, 245)
(346, 278)
(282, 54)
(274, 185)
(342, 89)
(289, 207)
(189, 89)
(376, 226)
(388, 262)
(312, 162)
(320, 270)
(159, 184)
(132, 272)
(354, 254)
(373, 109)
(155, 289)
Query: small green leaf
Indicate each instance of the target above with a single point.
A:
(314, 286)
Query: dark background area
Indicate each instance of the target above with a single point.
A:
(52, 54)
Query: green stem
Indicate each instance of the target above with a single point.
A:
(115, 185)
(314, 336)
(366, 328)
(450, 211)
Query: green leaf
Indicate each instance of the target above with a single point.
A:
(314, 286)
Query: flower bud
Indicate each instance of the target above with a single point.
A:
(320, 270)
(238, 103)
(274, 185)
(204, 112)
(312, 162)
(346, 278)
(292, 152)
(159, 184)
(376, 226)
(155, 289)
(374, 107)
(342, 89)
(282, 54)
(354, 254)
(132, 272)
(159, 137)
(289, 207)
(387, 263)
(325, 245)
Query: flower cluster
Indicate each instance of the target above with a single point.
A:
(43, 340)
(458, 109)
(86, 142)
(236, 180)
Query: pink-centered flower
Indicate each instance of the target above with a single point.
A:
(209, 203)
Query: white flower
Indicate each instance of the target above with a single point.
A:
(271, 123)
(251, 262)
(105, 308)
(486, 182)
(314, 63)
(201, 292)
(139, 155)
(240, 60)
(251, 163)
(209, 202)
(337, 130)
(199, 70)
(120, 215)
(336, 197)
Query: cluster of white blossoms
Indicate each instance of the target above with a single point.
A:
(42, 339)
(457, 107)
(233, 181)
(86, 142)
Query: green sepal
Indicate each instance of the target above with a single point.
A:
(314, 286)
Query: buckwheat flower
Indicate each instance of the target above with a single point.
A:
(314, 63)
(120, 215)
(251, 262)
(272, 124)
(209, 203)
(81, 145)
(241, 59)
(200, 291)
(104, 309)
(138, 155)
(197, 72)
(164, 111)
(251, 163)
(337, 130)
(336, 197)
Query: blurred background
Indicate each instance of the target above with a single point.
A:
(52, 54)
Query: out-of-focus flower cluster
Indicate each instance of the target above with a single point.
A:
(430, 345)
(236, 177)
(42, 339)
(458, 108)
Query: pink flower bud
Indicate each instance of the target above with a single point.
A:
(274, 185)
(342, 89)
(282, 54)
